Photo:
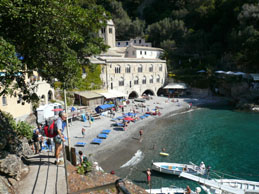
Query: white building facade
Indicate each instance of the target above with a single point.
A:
(134, 70)
(137, 42)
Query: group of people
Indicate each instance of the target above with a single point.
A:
(38, 138)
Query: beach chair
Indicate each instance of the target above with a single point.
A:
(80, 144)
(96, 141)
(119, 118)
(114, 119)
(106, 131)
(142, 117)
(102, 136)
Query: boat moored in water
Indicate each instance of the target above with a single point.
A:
(224, 186)
(172, 190)
(177, 168)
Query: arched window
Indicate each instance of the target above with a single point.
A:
(151, 80)
(121, 81)
(118, 69)
(140, 68)
(136, 80)
(4, 101)
(158, 78)
(160, 67)
(144, 80)
(128, 69)
(151, 68)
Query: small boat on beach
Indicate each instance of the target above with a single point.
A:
(177, 168)
(172, 190)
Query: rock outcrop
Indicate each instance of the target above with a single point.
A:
(12, 148)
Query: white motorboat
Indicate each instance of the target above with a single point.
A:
(171, 190)
(224, 186)
(177, 168)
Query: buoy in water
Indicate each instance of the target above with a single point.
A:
(164, 154)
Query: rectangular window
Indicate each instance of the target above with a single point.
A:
(140, 69)
(121, 83)
(136, 82)
(135, 41)
(160, 68)
(119, 43)
(139, 41)
(144, 81)
(141, 52)
(127, 43)
(103, 30)
(4, 101)
(145, 52)
(151, 81)
(110, 30)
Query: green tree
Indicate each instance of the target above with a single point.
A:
(246, 38)
(53, 37)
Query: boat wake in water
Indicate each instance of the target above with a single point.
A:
(135, 159)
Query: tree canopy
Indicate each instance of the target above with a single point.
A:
(51, 37)
(218, 34)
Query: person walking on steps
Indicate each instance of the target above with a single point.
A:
(59, 137)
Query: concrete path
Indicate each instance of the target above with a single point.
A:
(44, 177)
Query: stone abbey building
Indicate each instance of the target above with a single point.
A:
(131, 67)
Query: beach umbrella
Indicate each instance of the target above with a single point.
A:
(128, 119)
(57, 109)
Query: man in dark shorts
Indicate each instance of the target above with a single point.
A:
(59, 137)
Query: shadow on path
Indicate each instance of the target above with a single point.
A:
(37, 176)
(47, 176)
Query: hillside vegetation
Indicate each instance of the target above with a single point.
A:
(197, 34)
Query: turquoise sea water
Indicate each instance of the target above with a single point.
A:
(226, 140)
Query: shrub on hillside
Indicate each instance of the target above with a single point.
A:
(24, 129)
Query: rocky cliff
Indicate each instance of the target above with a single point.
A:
(12, 148)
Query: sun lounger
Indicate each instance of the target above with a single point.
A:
(142, 117)
(80, 144)
(120, 124)
(106, 131)
(102, 136)
(121, 117)
(97, 141)
(146, 115)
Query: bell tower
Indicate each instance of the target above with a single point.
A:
(108, 34)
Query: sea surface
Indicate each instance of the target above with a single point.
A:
(222, 138)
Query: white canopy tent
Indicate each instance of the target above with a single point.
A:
(176, 86)
(113, 94)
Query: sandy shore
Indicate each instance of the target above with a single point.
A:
(121, 145)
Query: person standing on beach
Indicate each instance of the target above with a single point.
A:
(148, 172)
(83, 132)
(140, 135)
(90, 120)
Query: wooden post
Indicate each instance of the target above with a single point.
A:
(73, 155)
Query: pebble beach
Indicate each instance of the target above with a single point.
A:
(121, 145)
